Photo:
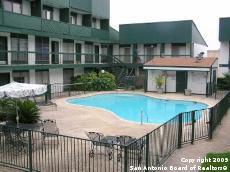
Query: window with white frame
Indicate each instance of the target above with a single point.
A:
(94, 23)
(48, 13)
(13, 6)
(73, 18)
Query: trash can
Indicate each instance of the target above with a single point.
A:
(187, 92)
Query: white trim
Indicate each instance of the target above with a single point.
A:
(177, 68)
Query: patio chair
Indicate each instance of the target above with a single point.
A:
(49, 130)
(98, 139)
(135, 148)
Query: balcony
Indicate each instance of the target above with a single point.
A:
(100, 34)
(21, 21)
(55, 27)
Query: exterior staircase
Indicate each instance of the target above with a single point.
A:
(124, 74)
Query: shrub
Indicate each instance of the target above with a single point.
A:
(224, 83)
(95, 82)
(159, 80)
(27, 110)
(6, 108)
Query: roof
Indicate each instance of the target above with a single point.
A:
(181, 62)
(161, 32)
(114, 35)
(224, 29)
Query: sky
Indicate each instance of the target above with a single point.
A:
(205, 14)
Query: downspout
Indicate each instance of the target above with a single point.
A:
(146, 80)
(210, 86)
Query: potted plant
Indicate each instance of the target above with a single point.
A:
(159, 80)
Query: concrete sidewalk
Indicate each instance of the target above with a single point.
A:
(219, 143)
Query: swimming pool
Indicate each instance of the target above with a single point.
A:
(131, 106)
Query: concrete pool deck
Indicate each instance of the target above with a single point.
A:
(75, 120)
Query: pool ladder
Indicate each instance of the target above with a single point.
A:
(142, 117)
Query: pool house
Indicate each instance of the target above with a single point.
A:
(199, 75)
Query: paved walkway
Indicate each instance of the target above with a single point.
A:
(219, 143)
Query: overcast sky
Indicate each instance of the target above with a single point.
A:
(205, 14)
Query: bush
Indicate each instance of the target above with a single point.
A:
(224, 83)
(6, 108)
(27, 110)
(159, 80)
(222, 160)
(95, 82)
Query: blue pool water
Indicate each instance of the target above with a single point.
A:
(129, 106)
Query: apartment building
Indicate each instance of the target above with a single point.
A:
(148, 40)
(224, 38)
(49, 41)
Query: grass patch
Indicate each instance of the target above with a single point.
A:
(217, 160)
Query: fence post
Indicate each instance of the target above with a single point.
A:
(147, 151)
(69, 92)
(48, 93)
(210, 123)
(30, 151)
(179, 130)
(126, 159)
(193, 126)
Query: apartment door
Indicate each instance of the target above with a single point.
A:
(55, 51)
(181, 81)
(4, 78)
(78, 53)
(96, 54)
(3, 49)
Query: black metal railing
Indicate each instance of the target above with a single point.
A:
(65, 90)
(186, 127)
(39, 151)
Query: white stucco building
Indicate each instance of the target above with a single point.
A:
(198, 75)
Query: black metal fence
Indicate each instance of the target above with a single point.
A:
(186, 127)
(39, 151)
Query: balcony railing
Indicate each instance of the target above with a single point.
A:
(141, 58)
(19, 58)
(55, 27)
(33, 23)
(100, 34)
(21, 21)
(31, 58)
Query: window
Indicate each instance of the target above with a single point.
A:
(19, 44)
(68, 49)
(68, 75)
(94, 23)
(162, 52)
(73, 18)
(22, 77)
(42, 77)
(178, 49)
(13, 6)
(48, 13)
(42, 49)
